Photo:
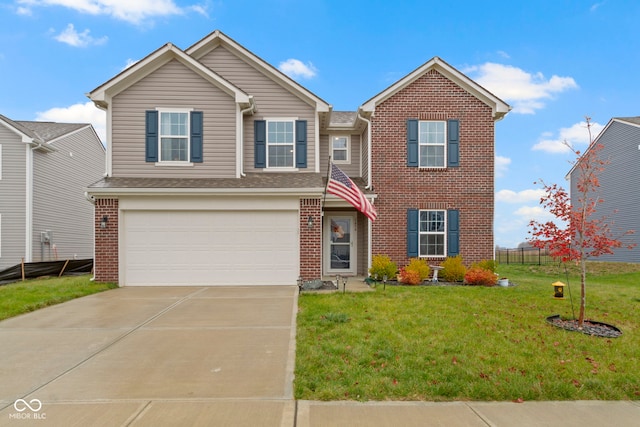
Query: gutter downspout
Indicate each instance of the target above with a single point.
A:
(251, 109)
(368, 187)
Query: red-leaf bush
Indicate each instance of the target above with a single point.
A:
(410, 277)
(480, 277)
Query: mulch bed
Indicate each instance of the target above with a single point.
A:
(590, 327)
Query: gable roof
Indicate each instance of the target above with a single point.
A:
(41, 134)
(218, 38)
(498, 106)
(631, 121)
(101, 95)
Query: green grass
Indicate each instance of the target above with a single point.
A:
(22, 297)
(471, 343)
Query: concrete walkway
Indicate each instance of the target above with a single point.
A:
(208, 357)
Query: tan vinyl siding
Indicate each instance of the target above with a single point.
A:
(174, 86)
(272, 101)
(353, 168)
(59, 204)
(12, 198)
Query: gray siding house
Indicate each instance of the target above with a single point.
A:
(619, 183)
(44, 169)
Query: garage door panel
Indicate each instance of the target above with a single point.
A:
(210, 247)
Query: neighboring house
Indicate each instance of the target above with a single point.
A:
(44, 170)
(217, 165)
(619, 184)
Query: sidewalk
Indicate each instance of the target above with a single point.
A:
(458, 414)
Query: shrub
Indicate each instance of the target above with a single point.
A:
(486, 264)
(420, 266)
(381, 265)
(453, 270)
(480, 277)
(410, 277)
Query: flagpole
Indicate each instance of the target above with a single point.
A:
(324, 197)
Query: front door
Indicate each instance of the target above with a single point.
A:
(340, 244)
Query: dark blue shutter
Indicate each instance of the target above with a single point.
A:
(453, 148)
(453, 232)
(412, 143)
(196, 136)
(412, 233)
(151, 139)
(301, 143)
(260, 143)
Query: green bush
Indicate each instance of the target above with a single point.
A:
(381, 265)
(486, 264)
(453, 269)
(480, 277)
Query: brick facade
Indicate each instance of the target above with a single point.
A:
(468, 188)
(310, 239)
(106, 256)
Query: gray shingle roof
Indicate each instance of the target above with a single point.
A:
(634, 120)
(48, 131)
(343, 117)
(250, 181)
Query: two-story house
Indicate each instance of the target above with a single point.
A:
(619, 182)
(217, 165)
(45, 168)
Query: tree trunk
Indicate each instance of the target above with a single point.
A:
(583, 296)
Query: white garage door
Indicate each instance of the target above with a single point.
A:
(210, 248)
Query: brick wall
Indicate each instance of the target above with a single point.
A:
(468, 188)
(106, 258)
(310, 239)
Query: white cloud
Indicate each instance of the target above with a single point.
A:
(73, 38)
(503, 54)
(78, 113)
(501, 165)
(574, 135)
(525, 91)
(129, 63)
(535, 213)
(524, 196)
(133, 11)
(296, 68)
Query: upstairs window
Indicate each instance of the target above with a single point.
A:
(340, 149)
(280, 143)
(431, 140)
(174, 136)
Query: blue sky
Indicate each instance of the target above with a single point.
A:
(554, 62)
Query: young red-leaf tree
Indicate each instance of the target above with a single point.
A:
(581, 234)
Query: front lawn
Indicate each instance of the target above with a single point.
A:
(471, 343)
(22, 297)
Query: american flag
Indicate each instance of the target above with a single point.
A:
(340, 185)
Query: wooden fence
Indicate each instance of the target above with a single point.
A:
(524, 256)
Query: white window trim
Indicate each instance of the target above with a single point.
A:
(293, 163)
(420, 144)
(173, 162)
(444, 233)
(340, 162)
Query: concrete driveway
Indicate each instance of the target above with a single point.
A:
(153, 356)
